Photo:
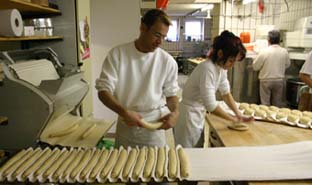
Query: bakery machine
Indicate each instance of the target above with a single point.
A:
(39, 95)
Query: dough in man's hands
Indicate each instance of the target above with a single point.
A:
(239, 126)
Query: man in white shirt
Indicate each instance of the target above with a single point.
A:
(139, 81)
(272, 63)
(305, 73)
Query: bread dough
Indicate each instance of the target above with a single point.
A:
(27, 162)
(91, 163)
(305, 120)
(139, 163)
(47, 162)
(281, 115)
(151, 126)
(129, 163)
(149, 164)
(239, 126)
(61, 169)
(243, 106)
(88, 131)
(263, 107)
(160, 165)
(292, 118)
(86, 156)
(285, 110)
(70, 166)
(17, 163)
(37, 163)
(184, 163)
(307, 113)
(254, 106)
(66, 131)
(249, 111)
(99, 164)
(11, 161)
(260, 113)
(274, 108)
(172, 163)
(55, 165)
(296, 112)
(122, 158)
(269, 113)
(109, 165)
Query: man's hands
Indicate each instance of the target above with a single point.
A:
(241, 118)
(169, 120)
(132, 118)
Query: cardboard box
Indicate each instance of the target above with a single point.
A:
(41, 2)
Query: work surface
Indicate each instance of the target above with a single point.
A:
(260, 133)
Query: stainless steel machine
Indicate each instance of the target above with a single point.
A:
(38, 91)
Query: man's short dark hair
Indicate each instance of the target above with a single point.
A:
(153, 15)
(274, 37)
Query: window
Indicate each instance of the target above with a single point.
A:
(172, 34)
(193, 30)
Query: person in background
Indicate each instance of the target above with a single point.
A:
(199, 92)
(305, 73)
(139, 81)
(272, 63)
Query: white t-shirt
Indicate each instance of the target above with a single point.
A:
(272, 63)
(307, 67)
(202, 85)
(139, 81)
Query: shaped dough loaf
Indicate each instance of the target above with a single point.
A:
(100, 164)
(173, 164)
(139, 163)
(184, 163)
(274, 108)
(281, 115)
(122, 158)
(149, 164)
(160, 165)
(110, 162)
(292, 118)
(130, 162)
(296, 112)
(263, 107)
(254, 106)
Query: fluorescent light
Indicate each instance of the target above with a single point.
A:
(248, 1)
(208, 7)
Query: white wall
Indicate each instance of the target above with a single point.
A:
(112, 22)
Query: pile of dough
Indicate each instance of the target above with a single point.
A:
(270, 113)
(292, 118)
(285, 110)
(239, 126)
(281, 115)
(274, 108)
(296, 112)
(243, 106)
(307, 113)
(254, 106)
(305, 120)
(260, 113)
(249, 111)
(263, 107)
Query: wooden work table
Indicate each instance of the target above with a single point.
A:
(260, 133)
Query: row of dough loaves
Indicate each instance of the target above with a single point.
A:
(267, 112)
(96, 164)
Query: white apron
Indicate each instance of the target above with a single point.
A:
(138, 136)
(188, 131)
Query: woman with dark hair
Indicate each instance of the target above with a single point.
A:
(199, 92)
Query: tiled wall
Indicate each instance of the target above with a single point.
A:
(239, 17)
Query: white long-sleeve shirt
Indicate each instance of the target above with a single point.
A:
(139, 81)
(272, 63)
(307, 66)
(202, 85)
